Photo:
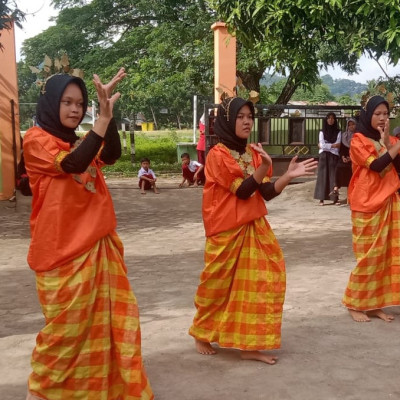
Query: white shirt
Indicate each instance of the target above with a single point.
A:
(142, 171)
(193, 165)
(325, 146)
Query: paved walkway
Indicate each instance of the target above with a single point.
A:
(324, 354)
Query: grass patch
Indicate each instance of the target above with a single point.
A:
(159, 146)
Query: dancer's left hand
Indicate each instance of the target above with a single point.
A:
(303, 168)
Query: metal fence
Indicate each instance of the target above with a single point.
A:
(286, 130)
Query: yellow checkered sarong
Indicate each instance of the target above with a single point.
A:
(240, 297)
(375, 281)
(90, 346)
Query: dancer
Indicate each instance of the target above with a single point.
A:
(242, 288)
(90, 345)
(375, 213)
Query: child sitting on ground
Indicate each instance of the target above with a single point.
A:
(147, 177)
(192, 171)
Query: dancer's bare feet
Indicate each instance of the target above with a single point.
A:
(204, 348)
(142, 192)
(258, 356)
(156, 191)
(380, 314)
(359, 316)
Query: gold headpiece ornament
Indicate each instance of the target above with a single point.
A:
(227, 95)
(380, 90)
(48, 68)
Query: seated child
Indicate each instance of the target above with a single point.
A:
(147, 177)
(192, 171)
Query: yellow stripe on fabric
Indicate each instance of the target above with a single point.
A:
(58, 159)
(369, 161)
(240, 297)
(375, 281)
(235, 185)
(90, 347)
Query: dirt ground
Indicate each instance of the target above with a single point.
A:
(324, 354)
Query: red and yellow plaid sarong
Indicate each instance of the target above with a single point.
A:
(90, 348)
(375, 281)
(240, 297)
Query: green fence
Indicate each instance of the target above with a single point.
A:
(285, 130)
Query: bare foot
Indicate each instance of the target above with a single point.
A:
(359, 316)
(380, 314)
(143, 192)
(156, 191)
(258, 356)
(204, 348)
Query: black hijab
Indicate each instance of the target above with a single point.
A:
(364, 123)
(48, 106)
(330, 131)
(225, 123)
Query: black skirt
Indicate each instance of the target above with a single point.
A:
(326, 178)
(343, 174)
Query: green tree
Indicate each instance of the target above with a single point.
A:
(165, 46)
(347, 100)
(298, 37)
(9, 13)
(318, 94)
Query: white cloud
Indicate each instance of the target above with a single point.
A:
(38, 13)
(369, 70)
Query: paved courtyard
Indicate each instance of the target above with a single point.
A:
(324, 354)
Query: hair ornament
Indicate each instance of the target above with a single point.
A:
(46, 69)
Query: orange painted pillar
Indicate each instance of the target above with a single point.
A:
(9, 115)
(224, 61)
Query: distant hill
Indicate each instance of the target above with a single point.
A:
(337, 87)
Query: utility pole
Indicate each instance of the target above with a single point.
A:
(194, 117)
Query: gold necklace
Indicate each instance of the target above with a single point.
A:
(244, 160)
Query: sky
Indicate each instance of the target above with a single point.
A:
(39, 11)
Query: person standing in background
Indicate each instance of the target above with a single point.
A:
(329, 144)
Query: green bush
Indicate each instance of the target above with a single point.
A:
(159, 147)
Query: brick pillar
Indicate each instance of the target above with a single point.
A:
(224, 60)
(9, 131)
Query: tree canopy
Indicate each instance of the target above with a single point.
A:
(298, 37)
(9, 13)
(165, 46)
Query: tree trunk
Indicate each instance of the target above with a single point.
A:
(154, 118)
(292, 83)
(251, 79)
(179, 121)
(132, 137)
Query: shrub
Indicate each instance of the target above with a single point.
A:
(159, 147)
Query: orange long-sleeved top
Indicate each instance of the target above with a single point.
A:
(368, 190)
(70, 212)
(222, 209)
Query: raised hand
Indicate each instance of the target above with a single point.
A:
(266, 159)
(110, 86)
(104, 93)
(303, 168)
(385, 134)
(106, 100)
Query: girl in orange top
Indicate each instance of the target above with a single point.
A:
(240, 297)
(89, 347)
(375, 203)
